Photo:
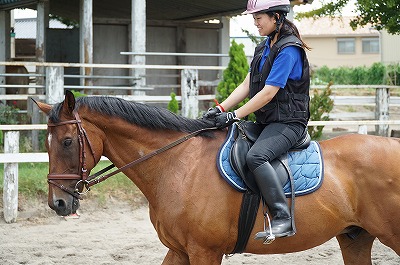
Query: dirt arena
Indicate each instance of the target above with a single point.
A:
(121, 234)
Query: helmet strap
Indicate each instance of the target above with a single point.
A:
(279, 20)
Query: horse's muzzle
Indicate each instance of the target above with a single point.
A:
(64, 207)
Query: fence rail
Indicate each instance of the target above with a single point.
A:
(54, 87)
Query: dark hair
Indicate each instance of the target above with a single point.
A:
(288, 27)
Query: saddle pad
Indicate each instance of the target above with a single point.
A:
(306, 167)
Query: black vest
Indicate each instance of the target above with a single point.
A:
(290, 104)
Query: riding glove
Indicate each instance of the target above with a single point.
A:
(211, 112)
(225, 119)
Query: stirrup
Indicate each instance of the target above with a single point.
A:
(267, 237)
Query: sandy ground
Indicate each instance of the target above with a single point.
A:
(121, 234)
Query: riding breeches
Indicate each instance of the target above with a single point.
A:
(274, 140)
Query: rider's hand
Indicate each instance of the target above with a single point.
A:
(225, 119)
(212, 112)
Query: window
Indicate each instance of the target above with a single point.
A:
(370, 45)
(346, 45)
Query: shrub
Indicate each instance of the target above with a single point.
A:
(8, 115)
(320, 106)
(173, 105)
(376, 74)
(78, 94)
(234, 74)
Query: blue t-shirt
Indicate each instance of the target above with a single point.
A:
(287, 65)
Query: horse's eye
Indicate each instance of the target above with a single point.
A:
(67, 142)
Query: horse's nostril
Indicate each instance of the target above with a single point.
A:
(60, 204)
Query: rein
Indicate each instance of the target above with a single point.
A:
(98, 177)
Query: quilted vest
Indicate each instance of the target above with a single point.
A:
(290, 104)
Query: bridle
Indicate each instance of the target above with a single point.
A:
(82, 176)
(88, 181)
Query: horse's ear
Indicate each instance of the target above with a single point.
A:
(46, 108)
(69, 102)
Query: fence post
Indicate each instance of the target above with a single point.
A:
(33, 112)
(382, 110)
(190, 92)
(54, 84)
(10, 187)
(362, 129)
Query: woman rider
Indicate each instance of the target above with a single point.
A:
(278, 87)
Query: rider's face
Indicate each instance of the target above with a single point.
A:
(264, 23)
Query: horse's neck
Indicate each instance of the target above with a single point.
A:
(126, 143)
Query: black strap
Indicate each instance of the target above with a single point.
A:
(247, 218)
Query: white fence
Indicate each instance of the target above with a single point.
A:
(190, 99)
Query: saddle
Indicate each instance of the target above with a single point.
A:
(245, 137)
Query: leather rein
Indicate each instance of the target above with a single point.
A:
(88, 181)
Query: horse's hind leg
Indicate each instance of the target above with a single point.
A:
(357, 250)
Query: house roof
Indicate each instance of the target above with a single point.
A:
(327, 27)
(172, 10)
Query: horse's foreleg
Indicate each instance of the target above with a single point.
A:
(357, 250)
(173, 258)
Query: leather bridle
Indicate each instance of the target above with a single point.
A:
(88, 181)
(82, 176)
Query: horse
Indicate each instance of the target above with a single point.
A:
(194, 211)
(17, 80)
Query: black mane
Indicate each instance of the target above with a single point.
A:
(136, 113)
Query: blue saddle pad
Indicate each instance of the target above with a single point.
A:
(306, 167)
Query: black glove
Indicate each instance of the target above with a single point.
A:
(211, 113)
(225, 119)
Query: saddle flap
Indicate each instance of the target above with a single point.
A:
(249, 129)
(238, 162)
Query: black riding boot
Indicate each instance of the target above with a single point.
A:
(272, 192)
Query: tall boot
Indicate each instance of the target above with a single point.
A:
(272, 192)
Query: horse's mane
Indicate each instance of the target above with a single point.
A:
(136, 113)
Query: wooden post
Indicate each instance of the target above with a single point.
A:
(138, 43)
(4, 47)
(10, 188)
(86, 40)
(382, 110)
(54, 84)
(42, 24)
(190, 92)
(33, 112)
(362, 129)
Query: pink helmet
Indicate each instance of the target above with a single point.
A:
(254, 6)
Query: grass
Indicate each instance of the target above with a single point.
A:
(32, 184)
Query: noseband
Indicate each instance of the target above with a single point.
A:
(88, 181)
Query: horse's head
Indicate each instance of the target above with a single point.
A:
(71, 155)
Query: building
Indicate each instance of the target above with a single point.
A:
(334, 43)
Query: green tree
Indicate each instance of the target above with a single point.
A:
(380, 14)
(320, 106)
(173, 105)
(234, 74)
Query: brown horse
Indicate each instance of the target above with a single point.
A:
(17, 80)
(194, 211)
